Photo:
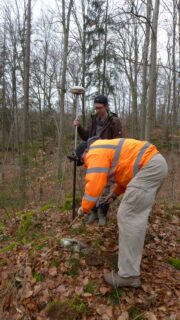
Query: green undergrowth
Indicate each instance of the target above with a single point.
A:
(78, 230)
(71, 309)
(135, 313)
(68, 202)
(175, 262)
(90, 288)
(114, 297)
(74, 266)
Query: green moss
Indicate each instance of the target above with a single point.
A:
(72, 309)
(175, 262)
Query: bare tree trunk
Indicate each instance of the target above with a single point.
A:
(105, 51)
(24, 152)
(65, 23)
(144, 71)
(151, 104)
(174, 107)
(3, 93)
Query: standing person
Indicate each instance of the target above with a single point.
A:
(138, 170)
(105, 125)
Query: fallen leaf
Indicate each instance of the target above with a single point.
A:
(53, 271)
(150, 316)
(124, 316)
(104, 290)
(27, 291)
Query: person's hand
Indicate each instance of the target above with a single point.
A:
(111, 197)
(80, 212)
(76, 123)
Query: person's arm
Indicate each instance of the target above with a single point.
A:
(83, 133)
(96, 180)
(116, 128)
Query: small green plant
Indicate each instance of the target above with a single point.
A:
(90, 287)
(55, 263)
(26, 220)
(74, 263)
(175, 262)
(97, 243)
(46, 207)
(78, 230)
(114, 297)
(3, 262)
(72, 309)
(135, 313)
(69, 201)
(38, 276)
(9, 247)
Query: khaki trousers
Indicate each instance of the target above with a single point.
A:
(133, 214)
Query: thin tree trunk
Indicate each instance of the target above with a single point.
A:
(24, 153)
(105, 51)
(151, 104)
(144, 72)
(66, 23)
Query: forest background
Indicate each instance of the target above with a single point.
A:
(127, 50)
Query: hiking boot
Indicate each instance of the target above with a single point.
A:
(102, 219)
(116, 281)
(92, 216)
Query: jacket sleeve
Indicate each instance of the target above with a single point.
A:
(83, 133)
(96, 180)
(116, 128)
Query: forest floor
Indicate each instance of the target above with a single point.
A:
(42, 279)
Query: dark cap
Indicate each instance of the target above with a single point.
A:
(101, 99)
(79, 152)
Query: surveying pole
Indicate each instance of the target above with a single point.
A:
(77, 91)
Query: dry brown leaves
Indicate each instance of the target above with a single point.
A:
(35, 274)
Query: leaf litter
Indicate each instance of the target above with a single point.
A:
(38, 271)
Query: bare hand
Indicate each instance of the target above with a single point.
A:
(76, 123)
(80, 212)
(111, 197)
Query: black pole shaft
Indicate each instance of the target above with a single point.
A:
(74, 192)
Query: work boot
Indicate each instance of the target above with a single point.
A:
(102, 213)
(92, 216)
(102, 219)
(116, 281)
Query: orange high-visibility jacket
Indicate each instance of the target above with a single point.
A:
(117, 160)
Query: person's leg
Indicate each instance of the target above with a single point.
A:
(102, 213)
(93, 215)
(103, 207)
(132, 220)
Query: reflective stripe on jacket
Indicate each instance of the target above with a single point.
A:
(117, 160)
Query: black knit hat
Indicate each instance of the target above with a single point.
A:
(101, 99)
(79, 152)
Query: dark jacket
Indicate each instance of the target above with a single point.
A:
(112, 128)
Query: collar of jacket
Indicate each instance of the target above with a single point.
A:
(110, 115)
